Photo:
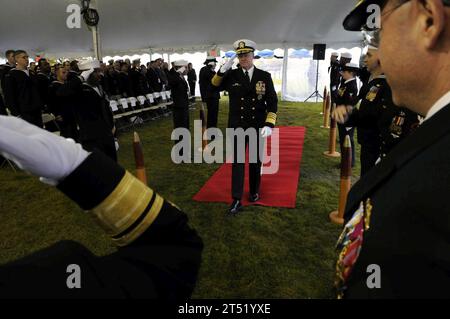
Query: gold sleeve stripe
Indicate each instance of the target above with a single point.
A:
(142, 224)
(271, 118)
(216, 80)
(124, 206)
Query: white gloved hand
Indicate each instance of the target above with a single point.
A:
(225, 67)
(116, 143)
(266, 131)
(85, 74)
(39, 152)
(181, 70)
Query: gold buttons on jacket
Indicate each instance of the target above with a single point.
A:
(253, 108)
(242, 99)
(242, 108)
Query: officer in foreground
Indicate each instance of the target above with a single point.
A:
(396, 240)
(158, 256)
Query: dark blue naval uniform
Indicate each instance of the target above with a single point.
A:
(253, 104)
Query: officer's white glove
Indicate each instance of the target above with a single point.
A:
(39, 152)
(225, 67)
(181, 70)
(85, 74)
(116, 143)
(266, 131)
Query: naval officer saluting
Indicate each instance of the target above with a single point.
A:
(253, 105)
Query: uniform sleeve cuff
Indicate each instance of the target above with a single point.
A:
(93, 181)
(271, 119)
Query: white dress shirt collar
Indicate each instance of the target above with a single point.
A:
(250, 72)
(439, 105)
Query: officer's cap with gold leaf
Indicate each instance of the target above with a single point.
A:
(244, 46)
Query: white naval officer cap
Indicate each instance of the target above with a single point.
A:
(335, 53)
(352, 67)
(243, 46)
(180, 63)
(346, 55)
(89, 65)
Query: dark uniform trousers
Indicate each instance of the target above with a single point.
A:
(210, 95)
(158, 254)
(252, 105)
(400, 220)
(347, 95)
(238, 169)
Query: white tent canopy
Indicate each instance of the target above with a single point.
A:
(143, 26)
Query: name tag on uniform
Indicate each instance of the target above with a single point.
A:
(236, 84)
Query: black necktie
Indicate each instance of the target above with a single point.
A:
(247, 77)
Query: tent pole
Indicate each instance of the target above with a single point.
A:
(284, 77)
(96, 35)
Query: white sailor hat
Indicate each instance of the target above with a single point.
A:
(352, 67)
(346, 55)
(244, 46)
(210, 59)
(180, 63)
(334, 53)
(89, 65)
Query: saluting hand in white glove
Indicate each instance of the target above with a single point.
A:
(39, 152)
(227, 65)
(266, 131)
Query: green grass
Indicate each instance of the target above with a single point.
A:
(263, 253)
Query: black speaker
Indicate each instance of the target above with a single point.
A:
(319, 51)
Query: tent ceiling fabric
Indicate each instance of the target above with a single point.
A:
(134, 26)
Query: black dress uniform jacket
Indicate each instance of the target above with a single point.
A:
(43, 82)
(60, 103)
(250, 103)
(179, 89)
(335, 80)
(154, 80)
(138, 82)
(406, 217)
(22, 96)
(207, 90)
(4, 70)
(96, 122)
(125, 86)
(162, 263)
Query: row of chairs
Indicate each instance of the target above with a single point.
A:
(128, 112)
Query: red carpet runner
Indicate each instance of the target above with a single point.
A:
(277, 190)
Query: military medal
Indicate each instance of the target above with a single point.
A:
(260, 89)
(350, 244)
(397, 124)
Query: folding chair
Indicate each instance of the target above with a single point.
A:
(135, 111)
(50, 123)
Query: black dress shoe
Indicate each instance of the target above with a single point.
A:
(254, 198)
(235, 207)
